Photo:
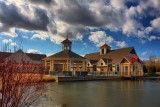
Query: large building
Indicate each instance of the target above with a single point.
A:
(124, 62)
(66, 60)
(115, 62)
(18, 58)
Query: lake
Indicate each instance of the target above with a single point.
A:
(102, 94)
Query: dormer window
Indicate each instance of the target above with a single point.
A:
(104, 49)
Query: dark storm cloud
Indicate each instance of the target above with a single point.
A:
(10, 16)
(75, 12)
(43, 2)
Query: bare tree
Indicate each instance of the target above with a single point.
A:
(19, 88)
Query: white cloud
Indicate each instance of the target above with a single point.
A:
(144, 53)
(33, 51)
(57, 39)
(118, 4)
(121, 44)
(130, 27)
(41, 35)
(131, 12)
(152, 38)
(156, 23)
(148, 30)
(49, 54)
(100, 37)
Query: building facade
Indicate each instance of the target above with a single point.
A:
(28, 62)
(65, 60)
(123, 62)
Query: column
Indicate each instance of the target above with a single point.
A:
(50, 67)
(83, 65)
(121, 69)
(45, 62)
(129, 70)
(67, 65)
(53, 65)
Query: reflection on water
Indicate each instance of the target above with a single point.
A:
(102, 94)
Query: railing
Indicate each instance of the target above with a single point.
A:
(133, 73)
(84, 73)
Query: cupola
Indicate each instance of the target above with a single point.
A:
(66, 44)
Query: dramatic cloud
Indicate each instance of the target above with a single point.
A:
(23, 17)
(54, 19)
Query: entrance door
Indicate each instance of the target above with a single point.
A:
(126, 70)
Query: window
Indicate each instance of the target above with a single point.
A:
(117, 67)
(88, 64)
(110, 68)
(102, 51)
(101, 64)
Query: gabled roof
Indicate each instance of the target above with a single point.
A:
(105, 46)
(36, 56)
(4, 55)
(93, 62)
(66, 54)
(132, 59)
(116, 55)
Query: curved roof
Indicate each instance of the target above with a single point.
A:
(66, 54)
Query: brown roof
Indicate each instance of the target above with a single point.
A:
(4, 55)
(115, 55)
(36, 56)
(66, 41)
(66, 54)
(107, 60)
(93, 61)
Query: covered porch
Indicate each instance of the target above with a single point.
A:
(130, 68)
(65, 65)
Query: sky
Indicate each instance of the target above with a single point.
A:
(39, 26)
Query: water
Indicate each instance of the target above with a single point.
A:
(102, 94)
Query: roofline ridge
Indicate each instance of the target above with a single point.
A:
(122, 48)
